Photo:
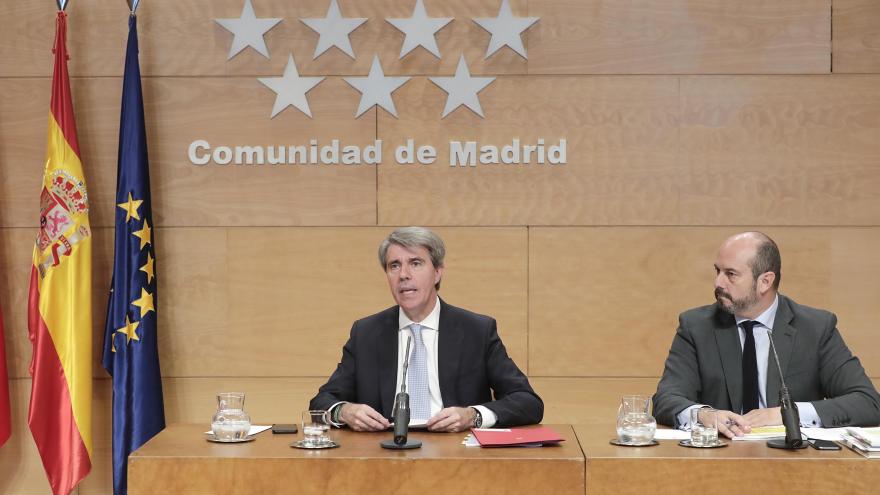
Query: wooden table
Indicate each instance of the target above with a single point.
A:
(180, 460)
(741, 467)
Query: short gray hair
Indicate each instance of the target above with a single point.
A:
(411, 237)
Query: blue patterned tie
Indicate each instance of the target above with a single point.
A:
(417, 381)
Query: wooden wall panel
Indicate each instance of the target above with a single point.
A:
(802, 150)
(292, 295)
(595, 37)
(588, 400)
(182, 39)
(854, 291)
(231, 111)
(287, 295)
(856, 43)
(780, 150)
(621, 145)
(680, 37)
(606, 300)
(185, 109)
(16, 247)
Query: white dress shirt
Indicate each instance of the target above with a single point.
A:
(809, 416)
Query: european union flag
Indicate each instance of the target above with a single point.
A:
(131, 354)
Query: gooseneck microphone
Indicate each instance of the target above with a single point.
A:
(401, 403)
(401, 411)
(790, 417)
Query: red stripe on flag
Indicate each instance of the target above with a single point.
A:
(50, 416)
(62, 104)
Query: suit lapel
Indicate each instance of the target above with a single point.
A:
(388, 340)
(449, 342)
(783, 338)
(730, 350)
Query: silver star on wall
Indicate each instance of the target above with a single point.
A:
(376, 89)
(462, 89)
(506, 30)
(248, 31)
(420, 30)
(290, 89)
(334, 30)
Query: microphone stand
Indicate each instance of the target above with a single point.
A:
(401, 414)
(790, 417)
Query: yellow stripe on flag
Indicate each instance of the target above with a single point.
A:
(65, 292)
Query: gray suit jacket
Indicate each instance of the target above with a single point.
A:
(705, 366)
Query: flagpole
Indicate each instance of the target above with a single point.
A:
(62, 4)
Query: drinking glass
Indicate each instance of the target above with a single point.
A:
(704, 427)
(315, 427)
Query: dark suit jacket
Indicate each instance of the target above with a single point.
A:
(471, 358)
(705, 366)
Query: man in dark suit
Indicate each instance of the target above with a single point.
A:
(721, 356)
(456, 365)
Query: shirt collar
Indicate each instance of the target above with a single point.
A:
(431, 321)
(767, 317)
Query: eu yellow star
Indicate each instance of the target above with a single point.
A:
(143, 234)
(131, 208)
(145, 302)
(129, 330)
(148, 268)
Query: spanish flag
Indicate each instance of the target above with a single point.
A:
(59, 302)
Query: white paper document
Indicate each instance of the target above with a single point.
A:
(671, 434)
(833, 434)
(253, 431)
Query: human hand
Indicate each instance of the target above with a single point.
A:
(731, 424)
(452, 419)
(764, 417)
(361, 417)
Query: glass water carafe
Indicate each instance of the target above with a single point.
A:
(635, 425)
(230, 422)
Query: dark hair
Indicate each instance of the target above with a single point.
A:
(767, 259)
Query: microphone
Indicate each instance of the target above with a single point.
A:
(401, 403)
(401, 412)
(790, 417)
(401, 418)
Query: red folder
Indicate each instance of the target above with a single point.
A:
(516, 437)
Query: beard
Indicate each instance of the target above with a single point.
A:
(736, 306)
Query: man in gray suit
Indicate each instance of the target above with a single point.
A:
(721, 357)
